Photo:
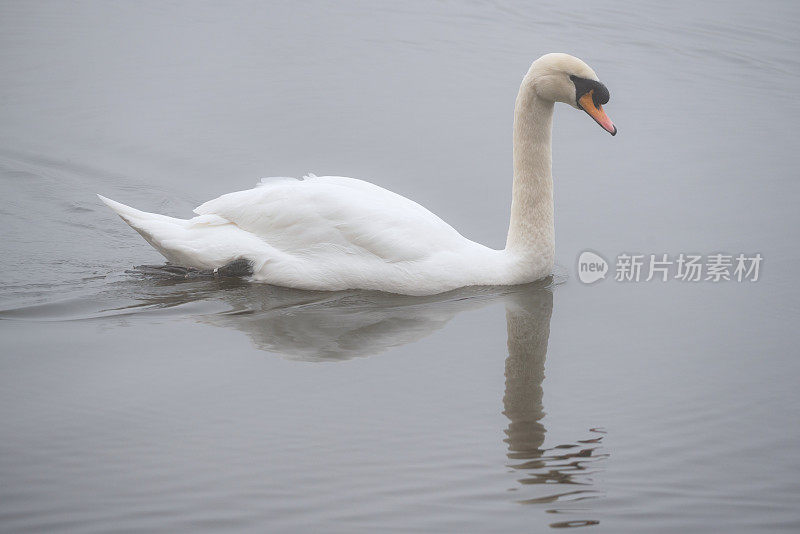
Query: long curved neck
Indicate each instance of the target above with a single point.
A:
(531, 231)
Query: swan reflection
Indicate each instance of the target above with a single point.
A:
(326, 326)
(308, 325)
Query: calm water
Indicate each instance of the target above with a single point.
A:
(134, 403)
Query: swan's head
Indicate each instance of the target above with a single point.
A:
(565, 78)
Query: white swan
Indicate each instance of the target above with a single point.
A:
(334, 233)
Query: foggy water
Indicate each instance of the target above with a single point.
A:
(137, 403)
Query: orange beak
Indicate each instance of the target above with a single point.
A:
(586, 103)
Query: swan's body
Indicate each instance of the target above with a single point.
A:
(325, 232)
(335, 233)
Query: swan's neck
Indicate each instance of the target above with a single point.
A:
(531, 235)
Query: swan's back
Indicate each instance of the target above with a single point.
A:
(338, 215)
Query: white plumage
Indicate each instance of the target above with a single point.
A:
(335, 233)
(325, 232)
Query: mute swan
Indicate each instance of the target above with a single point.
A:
(335, 233)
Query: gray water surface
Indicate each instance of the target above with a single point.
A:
(131, 402)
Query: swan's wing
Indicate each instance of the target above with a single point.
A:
(336, 214)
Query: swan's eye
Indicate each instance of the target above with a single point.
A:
(599, 91)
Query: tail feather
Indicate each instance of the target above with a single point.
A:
(205, 242)
(132, 215)
(153, 227)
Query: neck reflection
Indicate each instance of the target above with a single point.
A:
(560, 474)
(528, 327)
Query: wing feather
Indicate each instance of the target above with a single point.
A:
(336, 213)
